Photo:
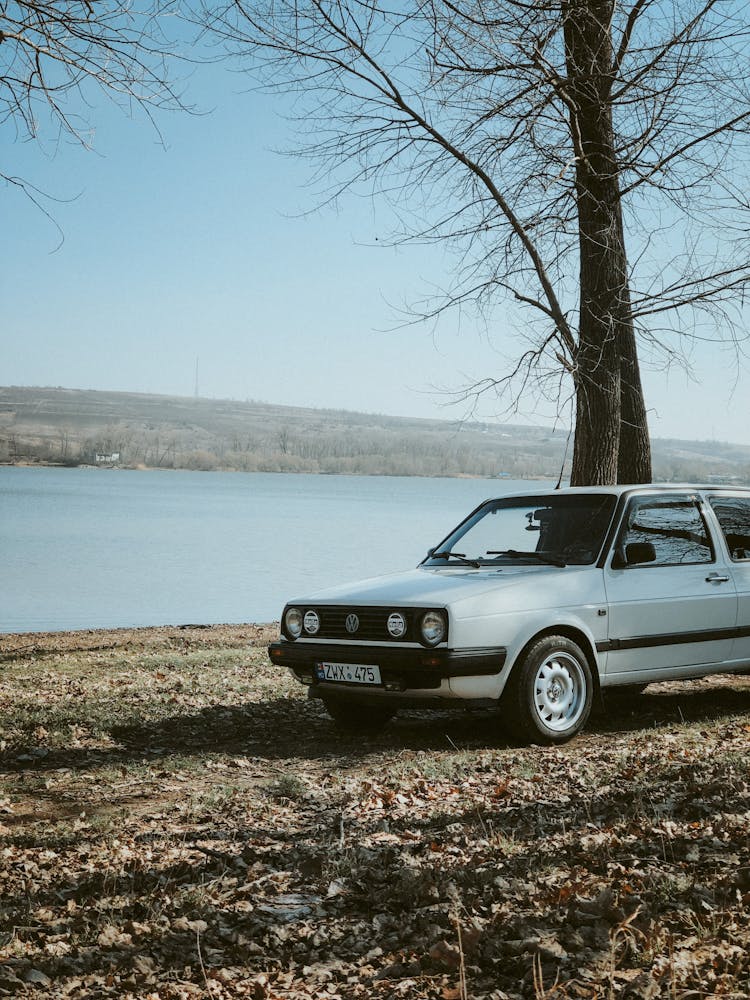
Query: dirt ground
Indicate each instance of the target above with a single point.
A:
(177, 820)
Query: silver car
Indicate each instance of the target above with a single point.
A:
(534, 603)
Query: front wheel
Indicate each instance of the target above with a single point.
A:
(350, 717)
(551, 690)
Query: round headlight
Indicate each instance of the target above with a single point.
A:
(433, 628)
(396, 625)
(312, 622)
(293, 622)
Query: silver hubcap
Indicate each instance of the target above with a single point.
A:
(559, 691)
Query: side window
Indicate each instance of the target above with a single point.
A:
(663, 531)
(733, 514)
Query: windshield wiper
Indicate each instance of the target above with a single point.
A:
(455, 555)
(551, 560)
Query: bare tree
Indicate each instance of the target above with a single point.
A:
(55, 53)
(544, 140)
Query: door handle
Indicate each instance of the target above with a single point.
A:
(717, 578)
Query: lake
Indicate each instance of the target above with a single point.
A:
(94, 548)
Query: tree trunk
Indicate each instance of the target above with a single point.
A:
(611, 439)
(634, 458)
(596, 442)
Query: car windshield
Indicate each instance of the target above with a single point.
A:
(559, 529)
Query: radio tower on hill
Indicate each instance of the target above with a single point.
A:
(196, 378)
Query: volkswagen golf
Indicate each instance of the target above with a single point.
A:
(534, 604)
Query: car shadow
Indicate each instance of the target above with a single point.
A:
(669, 705)
(293, 728)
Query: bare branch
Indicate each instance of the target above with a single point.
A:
(53, 54)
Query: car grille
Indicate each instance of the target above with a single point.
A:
(372, 623)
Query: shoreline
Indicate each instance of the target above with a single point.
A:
(18, 644)
(531, 478)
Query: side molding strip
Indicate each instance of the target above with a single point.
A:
(673, 639)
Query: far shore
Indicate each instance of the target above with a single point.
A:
(103, 467)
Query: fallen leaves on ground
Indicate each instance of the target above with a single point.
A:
(178, 821)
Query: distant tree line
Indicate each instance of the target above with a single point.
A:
(357, 449)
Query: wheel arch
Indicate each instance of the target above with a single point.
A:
(576, 634)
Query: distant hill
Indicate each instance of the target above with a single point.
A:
(132, 430)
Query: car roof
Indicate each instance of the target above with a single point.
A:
(621, 489)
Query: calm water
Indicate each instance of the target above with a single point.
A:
(91, 548)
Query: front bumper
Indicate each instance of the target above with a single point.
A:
(402, 668)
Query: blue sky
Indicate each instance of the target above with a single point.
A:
(198, 249)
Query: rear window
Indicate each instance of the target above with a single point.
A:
(733, 514)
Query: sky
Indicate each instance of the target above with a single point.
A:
(199, 252)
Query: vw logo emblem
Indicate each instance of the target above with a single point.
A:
(352, 623)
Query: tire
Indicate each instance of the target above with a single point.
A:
(551, 691)
(350, 717)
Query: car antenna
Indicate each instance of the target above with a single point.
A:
(565, 455)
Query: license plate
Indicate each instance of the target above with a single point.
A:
(348, 673)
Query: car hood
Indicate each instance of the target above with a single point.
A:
(430, 586)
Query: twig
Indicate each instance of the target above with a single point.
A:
(200, 959)
(463, 992)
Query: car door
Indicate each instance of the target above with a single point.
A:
(672, 604)
(732, 511)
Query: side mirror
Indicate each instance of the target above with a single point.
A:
(634, 554)
(637, 553)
